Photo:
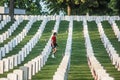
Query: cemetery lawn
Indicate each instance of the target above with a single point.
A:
(99, 50)
(30, 34)
(39, 46)
(79, 69)
(15, 33)
(111, 36)
(51, 65)
(6, 27)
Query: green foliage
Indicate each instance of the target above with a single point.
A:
(30, 6)
(57, 5)
(118, 6)
(78, 7)
(112, 6)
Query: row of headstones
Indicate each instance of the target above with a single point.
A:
(4, 22)
(97, 70)
(109, 47)
(40, 60)
(38, 17)
(12, 61)
(32, 67)
(9, 32)
(3, 17)
(62, 70)
(115, 28)
(91, 18)
(78, 18)
(16, 40)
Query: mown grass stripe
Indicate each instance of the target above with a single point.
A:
(6, 27)
(79, 69)
(15, 33)
(111, 36)
(100, 52)
(51, 66)
(38, 47)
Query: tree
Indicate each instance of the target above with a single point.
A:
(112, 6)
(31, 6)
(118, 6)
(69, 5)
(11, 9)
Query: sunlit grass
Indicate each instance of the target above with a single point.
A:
(51, 66)
(99, 50)
(6, 27)
(79, 69)
(15, 33)
(111, 36)
(39, 46)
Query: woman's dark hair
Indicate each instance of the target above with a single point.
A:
(54, 33)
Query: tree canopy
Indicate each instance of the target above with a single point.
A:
(31, 6)
(70, 7)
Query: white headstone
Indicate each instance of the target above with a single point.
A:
(0, 26)
(13, 43)
(16, 42)
(4, 36)
(12, 76)
(6, 64)
(30, 47)
(39, 63)
(10, 45)
(7, 35)
(6, 48)
(3, 51)
(4, 79)
(19, 58)
(32, 43)
(11, 62)
(19, 74)
(1, 67)
(9, 31)
(22, 55)
(33, 66)
(25, 72)
(30, 70)
(42, 61)
(15, 60)
(0, 54)
(24, 52)
(19, 39)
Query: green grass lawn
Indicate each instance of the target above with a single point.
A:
(39, 46)
(111, 36)
(79, 69)
(30, 34)
(6, 27)
(15, 33)
(51, 66)
(100, 52)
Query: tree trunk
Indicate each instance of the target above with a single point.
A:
(68, 10)
(11, 9)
